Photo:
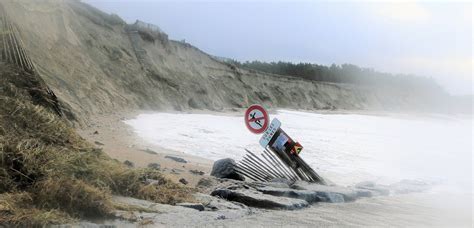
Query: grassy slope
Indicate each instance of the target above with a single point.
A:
(49, 174)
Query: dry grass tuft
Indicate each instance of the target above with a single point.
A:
(49, 174)
(18, 209)
(75, 197)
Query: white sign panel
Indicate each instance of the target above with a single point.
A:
(270, 132)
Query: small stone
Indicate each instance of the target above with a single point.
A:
(196, 172)
(176, 159)
(98, 143)
(332, 194)
(177, 171)
(149, 151)
(221, 217)
(183, 181)
(128, 163)
(196, 206)
(154, 166)
(96, 132)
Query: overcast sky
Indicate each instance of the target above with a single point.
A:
(424, 38)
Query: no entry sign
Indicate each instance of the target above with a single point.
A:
(256, 119)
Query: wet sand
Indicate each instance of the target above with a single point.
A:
(118, 140)
(410, 210)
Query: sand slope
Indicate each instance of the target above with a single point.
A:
(98, 64)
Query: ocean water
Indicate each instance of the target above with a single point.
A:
(346, 148)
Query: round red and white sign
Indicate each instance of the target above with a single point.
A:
(256, 119)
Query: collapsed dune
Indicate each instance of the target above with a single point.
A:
(96, 63)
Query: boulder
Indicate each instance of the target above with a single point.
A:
(257, 199)
(308, 196)
(217, 204)
(332, 194)
(282, 181)
(225, 168)
(269, 184)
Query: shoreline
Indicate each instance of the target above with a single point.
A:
(425, 209)
(118, 140)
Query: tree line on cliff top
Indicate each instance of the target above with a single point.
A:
(344, 73)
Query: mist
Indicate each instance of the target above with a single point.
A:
(430, 39)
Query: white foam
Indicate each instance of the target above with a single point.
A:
(346, 148)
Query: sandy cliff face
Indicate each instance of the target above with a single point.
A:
(97, 64)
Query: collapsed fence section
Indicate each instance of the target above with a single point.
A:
(268, 165)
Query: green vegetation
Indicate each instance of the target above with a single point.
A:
(345, 73)
(49, 174)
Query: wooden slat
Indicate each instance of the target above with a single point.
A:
(256, 171)
(264, 165)
(270, 164)
(278, 166)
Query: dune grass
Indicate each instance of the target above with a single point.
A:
(50, 175)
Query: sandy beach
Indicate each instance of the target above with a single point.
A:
(426, 209)
(118, 140)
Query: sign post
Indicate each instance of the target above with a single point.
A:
(256, 119)
(269, 133)
(281, 153)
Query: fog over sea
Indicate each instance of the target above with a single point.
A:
(347, 149)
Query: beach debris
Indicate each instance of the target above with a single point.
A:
(183, 181)
(129, 163)
(154, 166)
(196, 172)
(280, 158)
(176, 159)
(96, 132)
(98, 143)
(225, 168)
